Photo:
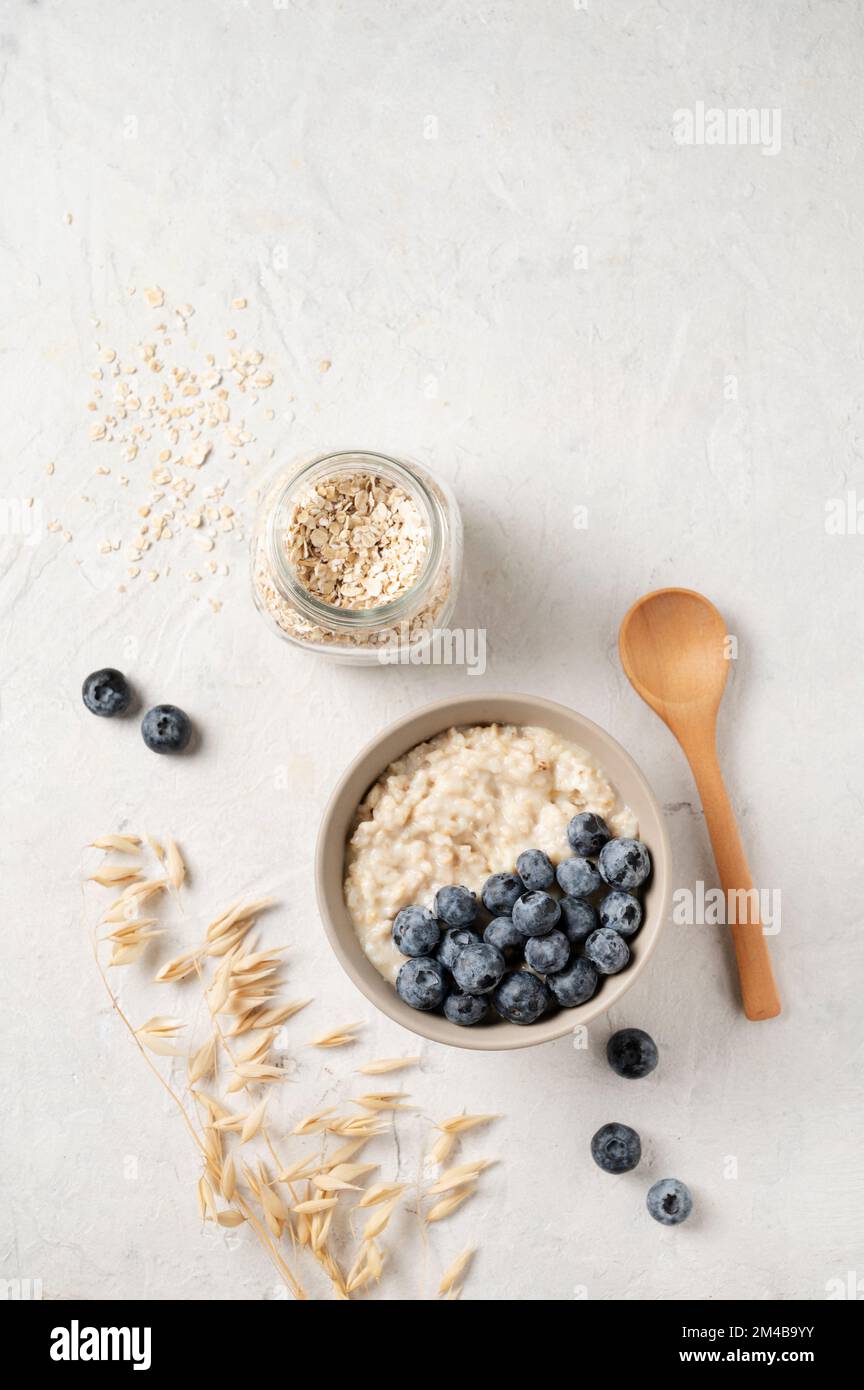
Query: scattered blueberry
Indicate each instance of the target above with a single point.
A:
(607, 951)
(478, 968)
(520, 997)
(577, 877)
(500, 892)
(466, 1009)
(415, 931)
(575, 984)
(536, 913)
(631, 1053)
(669, 1202)
(421, 983)
(588, 833)
(621, 911)
(548, 953)
(506, 938)
(616, 1148)
(535, 869)
(166, 729)
(107, 692)
(456, 906)
(625, 863)
(578, 920)
(454, 940)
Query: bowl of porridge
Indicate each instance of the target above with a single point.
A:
(453, 794)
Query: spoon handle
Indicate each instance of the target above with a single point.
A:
(758, 989)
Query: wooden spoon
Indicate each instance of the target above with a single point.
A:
(673, 648)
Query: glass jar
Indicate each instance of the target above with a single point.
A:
(358, 556)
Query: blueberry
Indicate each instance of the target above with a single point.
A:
(588, 833)
(500, 893)
(506, 938)
(107, 692)
(578, 920)
(669, 1202)
(456, 906)
(632, 1053)
(575, 984)
(535, 869)
(415, 931)
(166, 729)
(421, 983)
(466, 1009)
(624, 863)
(478, 968)
(454, 940)
(622, 912)
(607, 951)
(577, 877)
(536, 913)
(521, 997)
(548, 953)
(616, 1148)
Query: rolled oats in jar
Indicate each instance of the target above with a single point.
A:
(357, 555)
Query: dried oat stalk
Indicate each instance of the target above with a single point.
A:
(299, 1205)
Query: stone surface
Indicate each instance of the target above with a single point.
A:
(478, 213)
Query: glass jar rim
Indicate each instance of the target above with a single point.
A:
(329, 615)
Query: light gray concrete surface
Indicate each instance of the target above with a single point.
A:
(479, 213)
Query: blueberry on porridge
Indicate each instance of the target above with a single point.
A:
(501, 893)
(578, 877)
(535, 869)
(534, 914)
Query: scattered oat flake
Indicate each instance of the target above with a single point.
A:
(325, 364)
(155, 297)
(238, 303)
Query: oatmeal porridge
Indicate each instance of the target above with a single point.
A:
(459, 808)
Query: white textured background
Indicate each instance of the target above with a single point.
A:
(280, 151)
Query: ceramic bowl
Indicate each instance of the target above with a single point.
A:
(416, 728)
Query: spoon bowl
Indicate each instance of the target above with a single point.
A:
(683, 621)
